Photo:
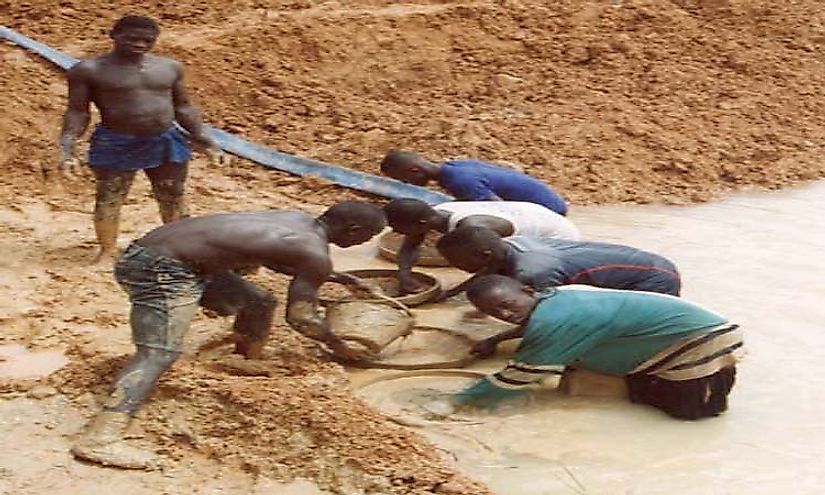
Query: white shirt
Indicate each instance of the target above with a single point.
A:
(528, 219)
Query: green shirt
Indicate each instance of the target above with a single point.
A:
(602, 330)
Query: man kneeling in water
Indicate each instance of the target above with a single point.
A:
(674, 355)
(175, 268)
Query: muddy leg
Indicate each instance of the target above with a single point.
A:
(168, 186)
(103, 440)
(112, 187)
(229, 294)
(254, 324)
(164, 296)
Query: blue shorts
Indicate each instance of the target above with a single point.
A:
(118, 151)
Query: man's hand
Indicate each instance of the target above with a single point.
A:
(440, 408)
(216, 156)
(410, 285)
(70, 167)
(484, 349)
(303, 317)
(343, 352)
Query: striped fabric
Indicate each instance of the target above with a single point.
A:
(517, 375)
(697, 357)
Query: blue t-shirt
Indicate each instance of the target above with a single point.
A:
(543, 262)
(473, 180)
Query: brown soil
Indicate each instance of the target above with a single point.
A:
(628, 100)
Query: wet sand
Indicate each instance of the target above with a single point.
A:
(755, 257)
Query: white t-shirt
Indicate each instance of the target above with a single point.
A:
(529, 219)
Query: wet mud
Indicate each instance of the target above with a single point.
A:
(748, 257)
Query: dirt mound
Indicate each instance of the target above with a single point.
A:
(637, 100)
(292, 415)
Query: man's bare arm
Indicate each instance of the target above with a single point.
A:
(487, 347)
(302, 311)
(187, 115)
(76, 118)
(463, 286)
(407, 255)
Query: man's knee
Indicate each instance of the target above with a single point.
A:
(254, 320)
(265, 301)
(257, 301)
(258, 306)
(109, 196)
(168, 191)
(156, 358)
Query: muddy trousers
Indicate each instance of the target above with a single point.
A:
(165, 295)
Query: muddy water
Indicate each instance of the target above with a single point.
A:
(758, 258)
(17, 362)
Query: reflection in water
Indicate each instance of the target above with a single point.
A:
(757, 258)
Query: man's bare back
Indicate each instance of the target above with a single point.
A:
(281, 240)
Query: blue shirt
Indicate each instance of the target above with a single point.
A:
(473, 180)
(543, 262)
(601, 330)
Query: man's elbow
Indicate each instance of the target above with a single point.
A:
(76, 114)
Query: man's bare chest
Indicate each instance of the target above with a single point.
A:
(135, 78)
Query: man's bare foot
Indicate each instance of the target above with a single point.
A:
(105, 257)
(250, 350)
(103, 442)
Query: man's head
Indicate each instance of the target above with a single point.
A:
(502, 297)
(408, 167)
(134, 35)
(409, 216)
(472, 248)
(353, 222)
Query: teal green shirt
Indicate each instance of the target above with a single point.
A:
(603, 330)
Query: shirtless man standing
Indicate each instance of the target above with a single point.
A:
(139, 97)
(177, 267)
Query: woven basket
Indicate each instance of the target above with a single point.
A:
(368, 327)
(432, 290)
(390, 243)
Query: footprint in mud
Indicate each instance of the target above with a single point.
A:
(83, 254)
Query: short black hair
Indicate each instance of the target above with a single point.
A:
(135, 22)
(466, 236)
(360, 213)
(483, 285)
(397, 159)
(406, 211)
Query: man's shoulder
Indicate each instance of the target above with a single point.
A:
(86, 67)
(160, 60)
(468, 164)
(460, 172)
